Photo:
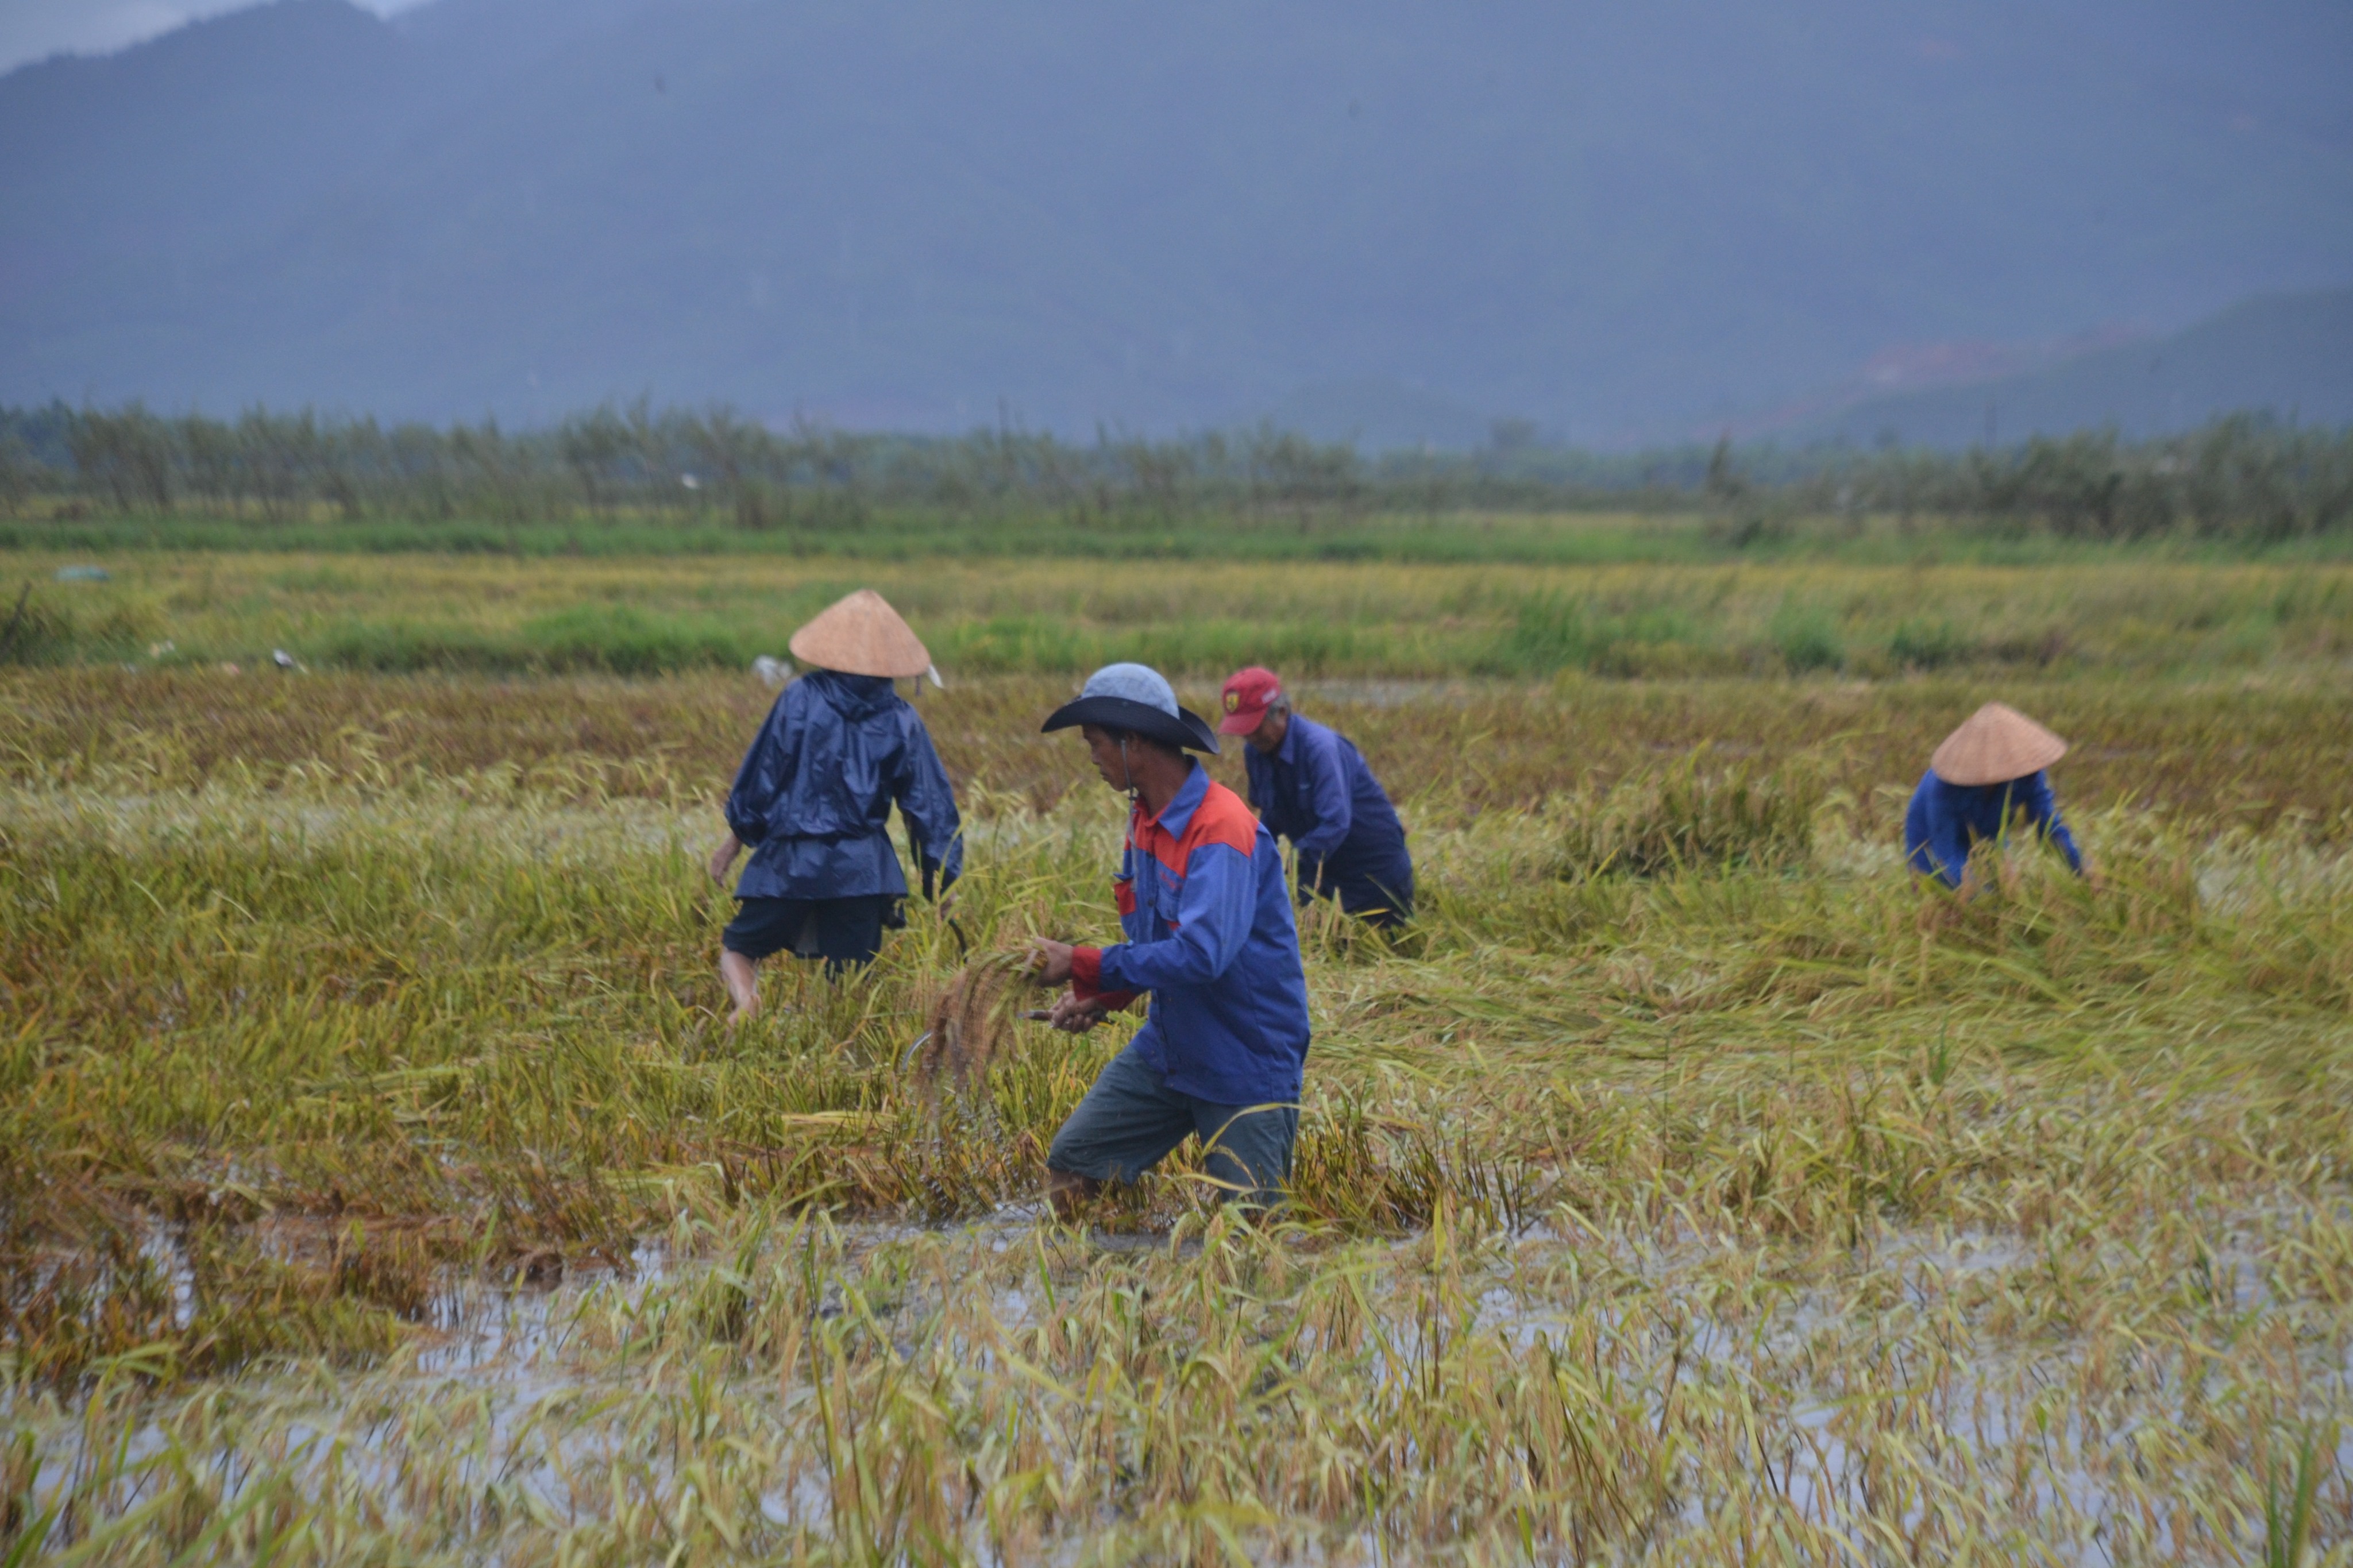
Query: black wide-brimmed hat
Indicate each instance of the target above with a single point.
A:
(1135, 697)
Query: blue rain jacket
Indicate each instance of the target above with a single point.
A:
(1316, 791)
(1945, 819)
(1210, 934)
(815, 791)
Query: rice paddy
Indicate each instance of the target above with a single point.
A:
(379, 1181)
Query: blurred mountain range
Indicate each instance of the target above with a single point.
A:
(2290, 355)
(1384, 219)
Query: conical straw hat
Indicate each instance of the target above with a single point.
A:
(862, 634)
(1994, 745)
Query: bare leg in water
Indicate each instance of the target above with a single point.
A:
(741, 979)
(743, 985)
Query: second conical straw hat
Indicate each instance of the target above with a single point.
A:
(1994, 745)
(862, 634)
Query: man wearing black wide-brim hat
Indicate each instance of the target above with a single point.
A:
(1207, 915)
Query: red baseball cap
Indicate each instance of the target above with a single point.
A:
(1249, 694)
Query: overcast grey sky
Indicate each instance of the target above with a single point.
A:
(34, 29)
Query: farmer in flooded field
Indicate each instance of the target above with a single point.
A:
(814, 795)
(1310, 786)
(1986, 776)
(1210, 936)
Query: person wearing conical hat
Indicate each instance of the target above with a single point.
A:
(1210, 936)
(813, 800)
(1986, 777)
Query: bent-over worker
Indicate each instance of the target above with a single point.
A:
(1210, 936)
(1310, 786)
(814, 798)
(1986, 774)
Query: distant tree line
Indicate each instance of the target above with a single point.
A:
(2245, 477)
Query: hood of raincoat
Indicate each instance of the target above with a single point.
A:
(854, 697)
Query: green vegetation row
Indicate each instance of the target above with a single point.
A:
(1544, 637)
(640, 616)
(679, 480)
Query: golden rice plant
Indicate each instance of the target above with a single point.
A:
(971, 1023)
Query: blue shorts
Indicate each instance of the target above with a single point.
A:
(1129, 1122)
(842, 931)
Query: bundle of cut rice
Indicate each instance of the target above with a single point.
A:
(971, 1023)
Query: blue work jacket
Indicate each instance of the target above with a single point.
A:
(1210, 935)
(815, 791)
(1316, 790)
(1945, 819)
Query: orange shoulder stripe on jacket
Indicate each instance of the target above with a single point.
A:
(1222, 817)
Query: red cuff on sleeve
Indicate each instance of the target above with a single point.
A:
(1086, 980)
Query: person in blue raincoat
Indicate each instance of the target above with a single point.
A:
(1310, 786)
(813, 800)
(1985, 783)
(1209, 934)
